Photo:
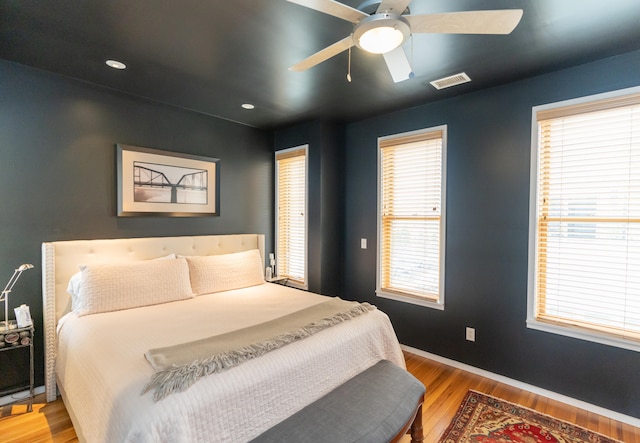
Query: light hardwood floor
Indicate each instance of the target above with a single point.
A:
(446, 386)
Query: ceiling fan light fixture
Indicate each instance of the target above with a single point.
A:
(381, 33)
(381, 40)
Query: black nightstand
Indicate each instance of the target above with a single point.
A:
(16, 338)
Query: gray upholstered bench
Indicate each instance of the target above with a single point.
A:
(379, 405)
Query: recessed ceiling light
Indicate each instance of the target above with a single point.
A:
(248, 106)
(115, 64)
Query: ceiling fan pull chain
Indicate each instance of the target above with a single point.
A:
(411, 37)
(411, 74)
(349, 66)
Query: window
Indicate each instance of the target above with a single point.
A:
(584, 271)
(291, 215)
(411, 217)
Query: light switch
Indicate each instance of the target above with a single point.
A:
(363, 243)
(471, 334)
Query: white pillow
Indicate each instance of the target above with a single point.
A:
(215, 273)
(113, 287)
(73, 288)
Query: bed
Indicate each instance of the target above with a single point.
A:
(97, 361)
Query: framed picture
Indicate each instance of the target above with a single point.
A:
(154, 182)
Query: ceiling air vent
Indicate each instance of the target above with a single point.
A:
(452, 80)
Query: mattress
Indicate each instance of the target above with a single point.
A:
(101, 368)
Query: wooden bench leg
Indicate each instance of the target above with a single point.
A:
(413, 427)
(417, 433)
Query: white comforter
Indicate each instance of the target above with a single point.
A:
(101, 367)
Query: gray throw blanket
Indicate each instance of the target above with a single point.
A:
(178, 367)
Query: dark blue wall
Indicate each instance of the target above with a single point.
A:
(57, 174)
(325, 199)
(489, 142)
(57, 181)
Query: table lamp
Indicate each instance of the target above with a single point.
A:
(272, 263)
(6, 325)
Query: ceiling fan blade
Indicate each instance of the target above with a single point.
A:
(395, 6)
(323, 55)
(398, 64)
(469, 22)
(334, 8)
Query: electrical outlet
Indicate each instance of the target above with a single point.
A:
(363, 243)
(471, 334)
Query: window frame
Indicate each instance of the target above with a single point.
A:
(278, 156)
(580, 104)
(400, 296)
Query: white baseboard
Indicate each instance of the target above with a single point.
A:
(19, 396)
(527, 387)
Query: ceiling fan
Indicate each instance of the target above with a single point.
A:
(384, 29)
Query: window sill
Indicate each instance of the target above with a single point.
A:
(409, 299)
(583, 334)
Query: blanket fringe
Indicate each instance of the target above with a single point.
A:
(179, 378)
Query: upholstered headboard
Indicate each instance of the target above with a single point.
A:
(60, 260)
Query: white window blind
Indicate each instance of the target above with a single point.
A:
(291, 207)
(587, 237)
(411, 217)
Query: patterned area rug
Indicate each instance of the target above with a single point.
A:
(485, 419)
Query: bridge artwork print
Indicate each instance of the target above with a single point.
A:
(152, 182)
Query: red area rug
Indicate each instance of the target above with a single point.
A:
(485, 419)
